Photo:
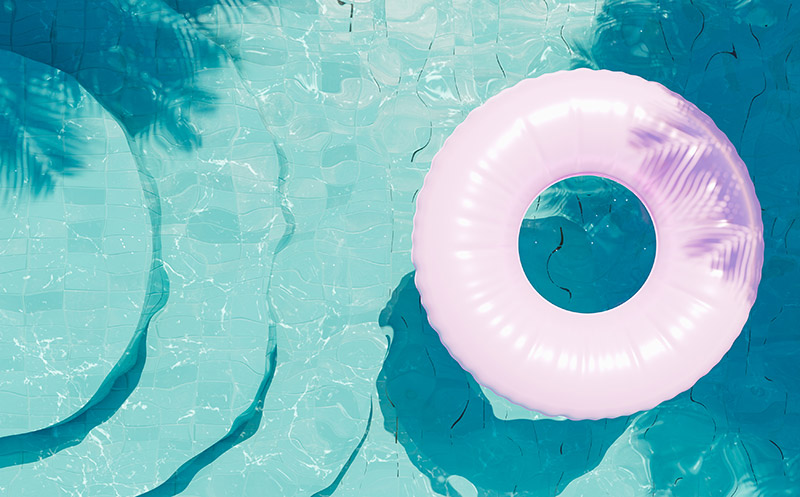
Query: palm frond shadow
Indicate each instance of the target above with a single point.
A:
(195, 8)
(140, 64)
(37, 139)
(737, 428)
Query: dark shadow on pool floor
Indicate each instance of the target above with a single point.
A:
(139, 63)
(738, 430)
(142, 67)
(439, 414)
(35, 140)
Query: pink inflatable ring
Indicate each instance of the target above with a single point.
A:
(708, 259)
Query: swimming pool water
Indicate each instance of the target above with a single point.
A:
(206, 285)
(587, 244)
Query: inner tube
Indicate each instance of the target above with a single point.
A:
(709, 244)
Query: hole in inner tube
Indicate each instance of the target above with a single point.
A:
(587, 244)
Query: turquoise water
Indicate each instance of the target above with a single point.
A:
(206, 285)
(587, 244)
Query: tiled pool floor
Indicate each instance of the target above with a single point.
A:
(231, 310)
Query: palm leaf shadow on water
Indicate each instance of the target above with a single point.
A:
(138, 65)
(142, 70)
(738, 428)
(228, 10)
(113, 391)
(439, 414)
(44, 144)
(35, 141)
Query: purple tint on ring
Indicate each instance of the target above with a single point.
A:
(709, 238)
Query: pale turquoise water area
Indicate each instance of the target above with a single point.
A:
(206, 279)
